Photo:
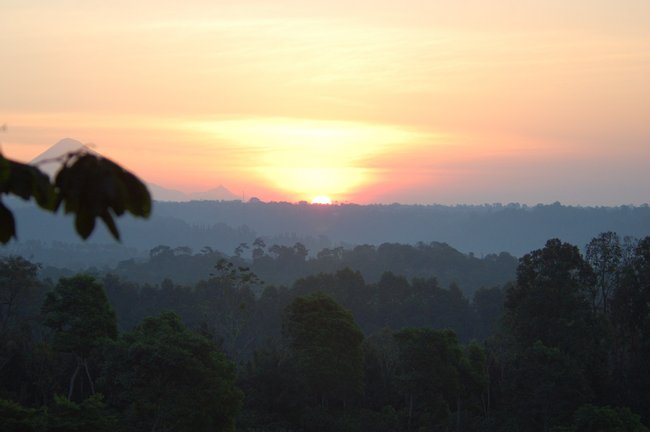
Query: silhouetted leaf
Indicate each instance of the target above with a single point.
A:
(7, 224)
(94, 187)
(26, 182)
(87, 185)
(84, 223)
(110, 224)
(4, 169)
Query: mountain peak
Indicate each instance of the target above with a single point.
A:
(220, 193)
(47, 162)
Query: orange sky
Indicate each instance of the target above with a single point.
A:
(382, 101)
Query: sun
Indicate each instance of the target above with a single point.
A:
(322, 200)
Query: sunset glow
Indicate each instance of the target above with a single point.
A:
(301, 158)
(322, 200)
(428, 102)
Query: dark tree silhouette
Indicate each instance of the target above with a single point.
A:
(87, 185)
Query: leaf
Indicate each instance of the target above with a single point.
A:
(84, 223)
(4, 169)
(87, 186)
(26, 182)
(110, 223)
(7, 224)
(95, 187)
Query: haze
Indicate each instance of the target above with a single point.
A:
(383, 101)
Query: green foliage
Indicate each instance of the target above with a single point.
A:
(631, 308)
(630, 319)
(78, 312)
(18, 286)
(605, 255)
(560, 363)
(590, 418)
(381, 368)
(429, 374)
(80, 315)
(544, 387)
(422, 261)
(549, 316)
(87, 185)
(487, 304)
(227, 304)
(273, 394)
(16, 418)
(326, 343)
(474, 379)
(169, 378)
(239, 276)
(89, 415)
(442, 383)
(549, 301)
(575, 332)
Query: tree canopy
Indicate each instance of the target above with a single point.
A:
(81, 317)
(170, 378)
(558, 360)
(326, 343)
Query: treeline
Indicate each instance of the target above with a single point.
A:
(276, 263)
(564, 347)
(226, 306)
(482, 229)
(282, 265)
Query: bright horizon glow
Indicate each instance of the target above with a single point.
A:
(416, 102)
(302, 157)
(322, 200)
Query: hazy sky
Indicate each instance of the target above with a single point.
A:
(365, 101)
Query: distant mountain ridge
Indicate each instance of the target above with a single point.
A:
(220, 193)
(49, 162)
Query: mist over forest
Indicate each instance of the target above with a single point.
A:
(224, 225)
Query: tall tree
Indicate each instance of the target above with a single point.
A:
(558, 358)
(81, 317)
(381, 367)
(429, 375)
(18, 281)
(327, 345)
(630, 316)
(605, 255)
(549, 300)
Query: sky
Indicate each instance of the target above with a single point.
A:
(416, 101)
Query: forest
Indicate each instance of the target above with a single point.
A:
(223, 225)
(324, 216)
(393, 337)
